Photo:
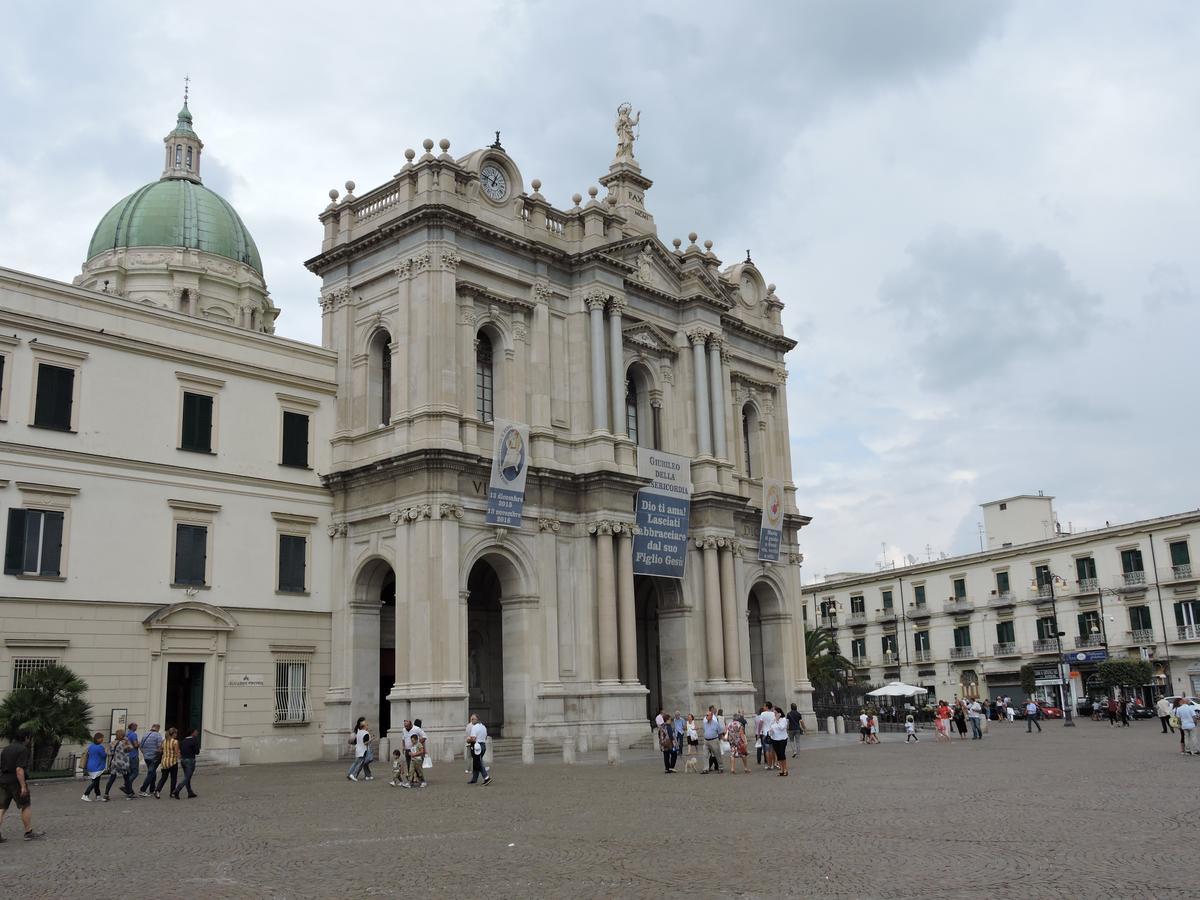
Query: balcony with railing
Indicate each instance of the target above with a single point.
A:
(856, 618)
(918, 611)
(1002, 598)
(1187, 632)
(1046, 645)
(885, 615)
(1087, 586)
(862, 662)
(1140, 636)
(1134, 580)
(891, 659)
(958, 605)
(963, 653)
(828, 621)
(1042, 592)
(923, 656)
(1086, 642)
(1182, 572)
(1008, 648)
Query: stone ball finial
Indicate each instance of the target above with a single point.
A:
(770, 288)
(427, 144)
(593, 191)
(333, 194)
(537, 184)
(576, 199)
(444, 143)
(692, 237)
(677, 243)
(410, 154)
(349, 187)
(708, 246)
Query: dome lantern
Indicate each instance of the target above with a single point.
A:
(183, 146)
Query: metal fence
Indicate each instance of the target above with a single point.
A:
(62, 766)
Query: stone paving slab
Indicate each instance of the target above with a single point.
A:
(1084, 812)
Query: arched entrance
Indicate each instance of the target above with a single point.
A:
(649, 661)
(754, 616)
(662, 644)
(485, 647)
(766, 620)
(372, 628)
(387, 649)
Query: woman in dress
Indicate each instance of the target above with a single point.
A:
(735, 734)
(691, 744)
(943, 721)
(169, 766)
(960, 720)
(118, 764)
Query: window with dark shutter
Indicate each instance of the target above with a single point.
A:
(295, 440)
(191, 552)
(55, 391)
(33, 545)
(14, 545)
(2, 358)
(196, 433)
(291, 562)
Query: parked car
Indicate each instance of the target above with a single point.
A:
(1049, 710)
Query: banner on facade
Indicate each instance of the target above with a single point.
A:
(510, 461)
(770, 534)
(663, 510)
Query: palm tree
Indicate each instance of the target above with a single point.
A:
(827, 668)
(49, 705)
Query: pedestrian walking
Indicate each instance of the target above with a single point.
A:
(1126, 712)
(1185, 712)
(766, 718)
(95, 761)
(735, 735)
(1111, 708)
(864, 727)
(169, 765)
(1010, 713)
(910, 730)
(680, 724)
(795, 728)
(416, 762)
(713, 729)
(942, 715)
(778, 733)
(666, 743)
(14, 783)
(1163, 709)
(477, 740)
(399, 770)
(118, 765)
(1032, 713)
(975, 714)
(135, 743)
(189, 749)
(361, 740)
(960, 720)
(691, 747)
(152, 743)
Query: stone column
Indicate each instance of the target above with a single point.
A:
(626, 618)
(616, 361)
(717, 389)
(712, 610)
(729, 608)
(606, 602)
(700, 376)
(595, 304)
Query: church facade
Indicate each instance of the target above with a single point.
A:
(271, 584)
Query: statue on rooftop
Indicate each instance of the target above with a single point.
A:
(625, 132)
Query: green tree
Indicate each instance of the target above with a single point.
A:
(1119, 673)
(827, 668)
(1027, 684)
(49, 705)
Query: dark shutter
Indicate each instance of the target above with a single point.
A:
(55, 387)
(295, 439)
(191, 551)
(291, 562)
(197, 423)
(33, 531)
(14, 546)
(52, 531)
(2, 379)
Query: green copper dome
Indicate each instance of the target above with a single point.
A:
(176, 212)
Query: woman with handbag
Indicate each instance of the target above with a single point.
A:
(118, 765)
(735, 735)
(169, 766)
(666, 743)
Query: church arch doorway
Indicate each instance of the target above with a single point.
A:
(661, 644)
(485, 647)
(766, 620)
(372, 612)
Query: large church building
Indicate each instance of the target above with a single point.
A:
(221, 528)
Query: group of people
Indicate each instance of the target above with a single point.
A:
(165, 756)
(773, 730)
(412, 760)
(1180, 713)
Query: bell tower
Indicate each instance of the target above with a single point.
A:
(183, 146)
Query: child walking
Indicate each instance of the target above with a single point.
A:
(416, 762)
(910, 730)
(399, 776)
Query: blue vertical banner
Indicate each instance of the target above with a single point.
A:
(510, 463)
(770, 534)
(664, 508)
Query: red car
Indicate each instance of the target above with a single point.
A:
(1049, 710)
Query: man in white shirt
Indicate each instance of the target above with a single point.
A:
(766, 719)
(1032, 713)
(477, 741)
(1186, 713)
(1163, 709)
(975, 714)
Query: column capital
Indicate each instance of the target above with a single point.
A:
(795, 559)
(450, 259)
(601, 527)
(410, 514)
(338, 529)
(715, 342)
(708, 542)
(451, 510)
(781, 375)
(617, 305)
(595, 299)
(697, 335)
(549, 525)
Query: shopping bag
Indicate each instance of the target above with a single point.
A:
(427, 762)
(724, 748)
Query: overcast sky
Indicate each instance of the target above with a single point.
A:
(983, 217)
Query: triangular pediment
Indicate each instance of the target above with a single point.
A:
(649, 337)
(653, 265)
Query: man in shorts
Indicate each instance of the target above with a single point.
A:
(14, 770)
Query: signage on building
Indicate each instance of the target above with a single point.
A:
(510, 464)
(1085, 656)
(1047, 675)
(770, 534)
(247, 681)
(663, 510)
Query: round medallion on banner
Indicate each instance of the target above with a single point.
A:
(774, 506)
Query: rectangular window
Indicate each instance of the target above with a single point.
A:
(1047, 628)
(919, 595)
(857, 606)
(291, 690)
(1087, 622)
(191, 554)
(887, 601)
(1005, 633)
(22, 668)
(1042, 575)
(1187, 613)
(1139, 618)
(3, 393)
(962, 636)
(858, 648)
(921, 641)
(34, 542)
(888, 644)
(55, 395)
(1002, 586)
(1131, 561)
(1085, 568)
(960, 588)
(293, 549)
(196, 432)
(295, 439)
(1179, 553)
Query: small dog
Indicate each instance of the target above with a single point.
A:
(690, 765)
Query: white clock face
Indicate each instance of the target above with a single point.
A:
(493, 182)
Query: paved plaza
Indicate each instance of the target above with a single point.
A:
(1084, 812)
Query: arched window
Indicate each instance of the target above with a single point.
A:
(749, 440)
(379, 374)
(189, 159)
(484, 378)
(631, 409)
(178, 155)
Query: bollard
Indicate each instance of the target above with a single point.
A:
(841, 724)
(614, 749)
(527, 749)
(569, 752)
(829, 726)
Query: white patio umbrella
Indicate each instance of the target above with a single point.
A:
(897, 689)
